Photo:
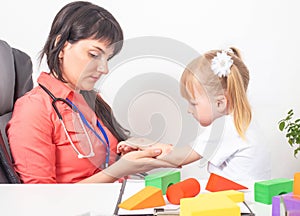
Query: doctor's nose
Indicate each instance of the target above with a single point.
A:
(102, 67)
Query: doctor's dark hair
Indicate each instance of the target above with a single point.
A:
(83, 20)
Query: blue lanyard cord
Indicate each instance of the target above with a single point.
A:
(106, 144)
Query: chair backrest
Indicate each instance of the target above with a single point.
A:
(16, 80)
(7, 172)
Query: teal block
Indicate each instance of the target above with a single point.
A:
(265, 190)
(162, 180)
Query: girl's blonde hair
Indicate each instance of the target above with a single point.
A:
(234, 86)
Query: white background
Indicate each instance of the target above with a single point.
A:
(267, 33)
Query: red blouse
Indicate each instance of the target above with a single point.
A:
(40, 148)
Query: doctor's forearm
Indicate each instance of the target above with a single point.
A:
(100, 177)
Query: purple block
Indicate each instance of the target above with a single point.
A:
(291, 202)
(293, 213)
(276, 205)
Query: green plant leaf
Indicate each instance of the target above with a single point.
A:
(292, 130)
(281, 125)
(296, 151)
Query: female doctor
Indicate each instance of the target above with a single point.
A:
(62, 131)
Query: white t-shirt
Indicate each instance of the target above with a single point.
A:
(229, 155)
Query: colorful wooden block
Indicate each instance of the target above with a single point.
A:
(188, 188)
(235, 196)
(219, 183)
(289, 201)
(277, 201)
(293, 213)
(265, 190)
(148, 197)
(296, 189)
(162, 180)
(208, 205)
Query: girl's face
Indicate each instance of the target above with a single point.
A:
(83, 63)
(201, 106)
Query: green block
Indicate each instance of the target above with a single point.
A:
(265, 190)
(162, 180)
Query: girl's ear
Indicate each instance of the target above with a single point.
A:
(221, 104)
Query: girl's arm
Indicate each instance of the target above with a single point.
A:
(178, 156)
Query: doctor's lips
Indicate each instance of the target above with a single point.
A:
(95, 77)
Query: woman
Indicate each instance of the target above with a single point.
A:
(62, 131)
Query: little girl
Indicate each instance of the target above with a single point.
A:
(215, 86)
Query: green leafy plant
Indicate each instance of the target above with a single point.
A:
(292, 129)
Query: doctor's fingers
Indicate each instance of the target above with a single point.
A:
(147, 153)
(128, 166)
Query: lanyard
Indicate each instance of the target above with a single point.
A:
(106, 144)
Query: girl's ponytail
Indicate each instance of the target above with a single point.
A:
(237, 84)
(238, 101)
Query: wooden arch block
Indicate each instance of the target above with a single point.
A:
(291, 204)
(265, 190)
(162, 180)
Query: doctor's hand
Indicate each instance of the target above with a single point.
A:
(137, 162)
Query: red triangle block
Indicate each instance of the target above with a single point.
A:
(219, 183)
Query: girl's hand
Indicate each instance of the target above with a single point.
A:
(124, 148)
(133, 144)
(136, 143)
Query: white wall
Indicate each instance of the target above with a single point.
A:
(265, 31)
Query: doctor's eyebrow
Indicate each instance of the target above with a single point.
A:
(103, 52)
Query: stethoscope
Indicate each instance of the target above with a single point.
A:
(83, 122)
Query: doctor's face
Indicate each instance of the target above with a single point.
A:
(84, 62)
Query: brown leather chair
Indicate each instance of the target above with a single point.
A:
(15, 81)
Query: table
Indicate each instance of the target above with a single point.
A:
(258, 208)
(58, 199)
(82, 199)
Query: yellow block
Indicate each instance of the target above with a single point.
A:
(211, 204)
(235, 196)
(148, 197)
